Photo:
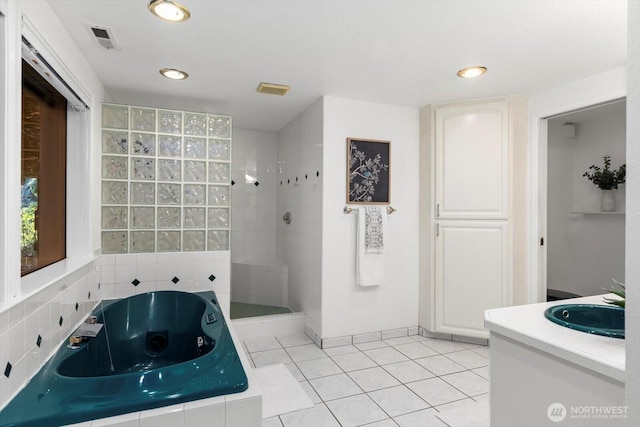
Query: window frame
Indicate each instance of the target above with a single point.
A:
(80, 230)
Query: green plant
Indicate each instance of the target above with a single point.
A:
(606, 179)
(619, 291)
(28, 234)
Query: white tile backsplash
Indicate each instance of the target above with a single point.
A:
(108, 259)
(125, 259)
(18, 338)
(156, 271)
(125, 273)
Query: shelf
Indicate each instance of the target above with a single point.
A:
(599, 213)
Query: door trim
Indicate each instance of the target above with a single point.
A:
(600, 89)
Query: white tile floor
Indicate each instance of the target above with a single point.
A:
(406, 381)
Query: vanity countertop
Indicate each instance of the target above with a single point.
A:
(526, 324)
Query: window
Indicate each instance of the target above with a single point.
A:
(43, 172)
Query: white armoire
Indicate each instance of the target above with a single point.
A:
(470, 200)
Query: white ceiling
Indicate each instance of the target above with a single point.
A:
(392, 52)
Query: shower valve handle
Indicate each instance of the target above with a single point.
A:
(287, 218)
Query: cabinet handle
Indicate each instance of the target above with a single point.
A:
(438, 210)
(437, 230)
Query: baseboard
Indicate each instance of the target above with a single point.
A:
(452, 337)
(362, 338)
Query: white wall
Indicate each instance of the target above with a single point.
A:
(69, 289)
(348, 309)
(318, 247)
(633, 217)
(253, 214)
(300, 183)
(584, 251)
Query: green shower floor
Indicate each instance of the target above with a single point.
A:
(240, 310)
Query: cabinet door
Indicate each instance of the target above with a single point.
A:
(472, 161)
(472, 274)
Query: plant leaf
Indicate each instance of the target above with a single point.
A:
(619, 292)
(619, 303)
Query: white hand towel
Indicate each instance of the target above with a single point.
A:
(370, 246)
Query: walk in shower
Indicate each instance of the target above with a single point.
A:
(259, 279)
(277, 263)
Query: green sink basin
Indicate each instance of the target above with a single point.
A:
(605, 320)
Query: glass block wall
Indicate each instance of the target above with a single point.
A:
(165, 180)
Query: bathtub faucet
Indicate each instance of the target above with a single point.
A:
(89, 329)
(75, 341)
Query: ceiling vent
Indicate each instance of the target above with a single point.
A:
(104, 37)
(273, 89)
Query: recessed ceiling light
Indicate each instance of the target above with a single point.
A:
(169, 10)
(173, 74)
(469, 72)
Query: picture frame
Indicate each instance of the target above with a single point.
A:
(368, 171)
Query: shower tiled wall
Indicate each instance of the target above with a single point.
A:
(254, 216)
(256, 277)
(166, 179)
(300, 192)
(260, 284)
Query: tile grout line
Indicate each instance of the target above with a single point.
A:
(361, 389)
(377, 365)
(401, 384)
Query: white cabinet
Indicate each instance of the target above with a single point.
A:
(471, 256)
(472, 161)
(472, 273)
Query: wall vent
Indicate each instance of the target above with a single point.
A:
(104, 37)
(273, 89)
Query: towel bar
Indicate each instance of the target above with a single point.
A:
(348, 210)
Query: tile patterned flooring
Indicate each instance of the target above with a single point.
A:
(407, 381)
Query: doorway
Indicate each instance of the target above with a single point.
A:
(584, 246)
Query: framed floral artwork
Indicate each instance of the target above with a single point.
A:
(368, 173)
